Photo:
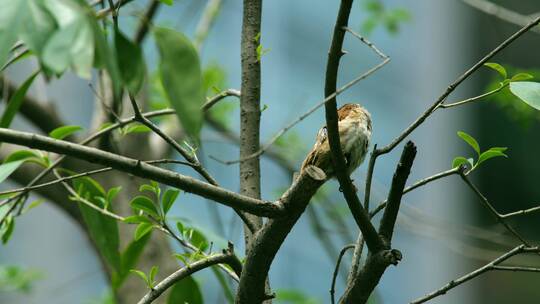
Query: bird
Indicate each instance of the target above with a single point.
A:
(354, 125)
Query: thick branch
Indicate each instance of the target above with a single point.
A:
(267, 241)
(143, 170)
(361, 285)
(250, 105)
(361, 217)
(386, 228)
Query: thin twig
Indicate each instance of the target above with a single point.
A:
(516, 268)
(185, 154)
(520, 212)
(492, 209)
(227, 257)
(336, 271)
(472, 99)
(502, 13)
(490, 266)
(215, 99)
(418, 184)
(146, 21)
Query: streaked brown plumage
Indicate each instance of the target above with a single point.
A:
(354, 123)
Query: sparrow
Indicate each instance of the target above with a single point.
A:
(354, 124)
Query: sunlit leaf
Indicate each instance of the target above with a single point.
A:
(153, 273)
(142, 230)
(491, 153)
(528, 92)
(458, 161)
(145, 204)
(521, 77)
(169, 198)
(136, 219)
(64, 131)
(181, 76)
(142, 275)
(470, 140)
(497, 67)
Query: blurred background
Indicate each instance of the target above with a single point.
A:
(442, 231)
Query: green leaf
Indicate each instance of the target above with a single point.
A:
(197, 238)
(24, 155)
(181, 76)
(145, 204)
(153, 273)
(185, 291)
(73, 44)
(136, 128)
(25, 20)
(64, 131)
(7, 168)
(102, 229)
(497, 67)
(521, 77)
(168, 199)
(491, 153)
(458, 161)
(470, 140)
(129, 257)
(112, 193)
(8, 231)
(142, 230)
(136, 219)
(130, 62)
(180, 227)
(168, 2)
(528, 92)
(16, 101)
(32, 205)
(142, 275)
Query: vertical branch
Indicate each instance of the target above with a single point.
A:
(250, 113)
(360, 215)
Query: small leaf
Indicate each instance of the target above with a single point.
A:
(491, 153)
(142, 230)
(180, 227)
(129, 258)
(136, 128)
(181, 257)
(32, 205)
(168, 199)
(112, 193)
(521, 77)
(145, 204)
(168, 2)
(470, 140)
(153, 273)
(136, 219)
(198, 239)
(7, 168)
(458, 161)
(528, 92)
(185, 291)
(10, 225)
(65, 131)
(146, 187)
(497, 67)
(16, 101)
(142, 275)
